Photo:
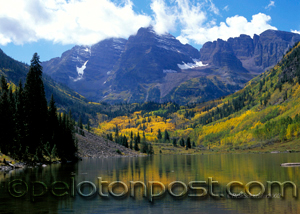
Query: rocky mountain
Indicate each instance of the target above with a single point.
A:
(118, 70)
(152, 67)
(65, 98)
(254, 54)
(85, 69)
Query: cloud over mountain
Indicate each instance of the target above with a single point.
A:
(86, 22)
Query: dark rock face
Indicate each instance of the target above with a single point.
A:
(118, 65)
(148, 56)
(86, 69)
(147, 66)
(255, 54)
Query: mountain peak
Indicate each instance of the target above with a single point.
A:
(151, 66)
(264, 50)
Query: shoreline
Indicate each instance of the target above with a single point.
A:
(21, 165)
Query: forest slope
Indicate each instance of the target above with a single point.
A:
(264, 112)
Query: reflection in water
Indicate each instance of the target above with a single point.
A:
(165, 169)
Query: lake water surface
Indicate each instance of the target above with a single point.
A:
(165, 169)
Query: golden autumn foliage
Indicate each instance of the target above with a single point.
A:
(250, 117)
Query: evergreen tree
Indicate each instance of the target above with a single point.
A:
(36, 107)
(67, 145)
(144, 137)
(7, 124)
(116, 133)
(285, 95)
(7, 118)
(125, 140)
(138, 138)
(166, 137)
(20, 127)
(144, 147)
(174, 142)
(88, 127)
(131, 146)
(136, 146)
(80, 125)
(181, 142)
(151, 150)
(188, 143)
(52, 124)
(159, 136)
(3, 84)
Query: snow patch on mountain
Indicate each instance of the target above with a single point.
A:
(89, 50)
(169, 71)
(80, 71)
(191, 65)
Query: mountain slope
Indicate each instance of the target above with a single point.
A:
(65, 98)
(232, 63)
(255, 55)
(152, 67)
(117, 70)
(85, 69)
(15, 71)
(266, 112)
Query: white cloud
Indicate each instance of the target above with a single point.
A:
(233, 27)
(197, 23)
(295, 31)
(226, 8)
(85, 22)
(74, 22)
(164, 17)
(271, 4)
(213, 8)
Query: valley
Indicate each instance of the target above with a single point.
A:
(232, 99)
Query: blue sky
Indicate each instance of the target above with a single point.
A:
(50, 27)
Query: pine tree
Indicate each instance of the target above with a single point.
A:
(125, 141)
(36, 107)
(131, 146)
(144, 137)
(174, 142)
(159, 136)
(151, 150)
(166, 137)
(136, 146)
(194, 145)
(138, 138)
(3, 84)
(7, 120)
(52, 124)
(144, 147)
(131, 135)
(20, 127)
(80, 122)
(116, 133)
(181, 142)
(88, 127)
(188, 143)
(67, 145)
(6, 125)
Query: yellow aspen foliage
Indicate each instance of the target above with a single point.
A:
(256, 125)
(292, 131)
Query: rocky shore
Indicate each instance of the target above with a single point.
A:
(94, 146)
(6, 166)
(89, 145)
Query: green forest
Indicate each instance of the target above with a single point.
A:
(31, 129)
(263, 115)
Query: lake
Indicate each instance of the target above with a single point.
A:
(20, 188)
